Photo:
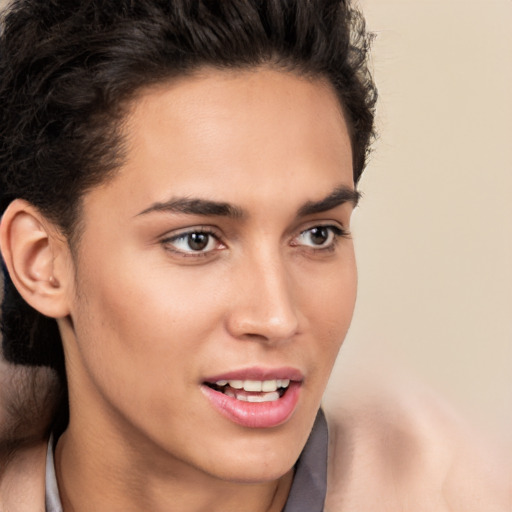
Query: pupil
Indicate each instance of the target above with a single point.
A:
(319, 235)
(198, 241)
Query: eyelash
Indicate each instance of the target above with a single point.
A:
(167, 242)
(335, 231)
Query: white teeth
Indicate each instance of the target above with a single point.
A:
(269, 385)
(255, 386)
(252, 385)
(267, 389)
(267, 397)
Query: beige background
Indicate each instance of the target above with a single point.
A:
(434, 231)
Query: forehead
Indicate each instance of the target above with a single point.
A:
(234, 135)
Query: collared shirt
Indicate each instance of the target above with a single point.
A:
(309, 486)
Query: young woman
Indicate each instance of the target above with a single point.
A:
(177, 185)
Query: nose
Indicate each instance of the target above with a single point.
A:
(262, 306)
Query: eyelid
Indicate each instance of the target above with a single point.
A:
(171, 237)
(335, 225)
(338, 231)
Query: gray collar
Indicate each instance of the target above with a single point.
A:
(309, 485)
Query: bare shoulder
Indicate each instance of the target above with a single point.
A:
(399, 448)
(22, 480)
(28, 398)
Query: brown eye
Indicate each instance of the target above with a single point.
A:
(319, 237)
(198, 241)
(193, 243)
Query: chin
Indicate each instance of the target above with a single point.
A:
(256, 474)
(259, 462)
(266, 455)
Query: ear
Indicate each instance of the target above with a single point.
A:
(37, 257)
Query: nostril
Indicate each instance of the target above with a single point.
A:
(270, 335)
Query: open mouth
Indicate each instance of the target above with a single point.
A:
(255, 391)
(255, 397)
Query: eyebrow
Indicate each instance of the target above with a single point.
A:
(337, 197)
(196, 207)
(206, 207)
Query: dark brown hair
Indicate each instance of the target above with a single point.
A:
(68, 68)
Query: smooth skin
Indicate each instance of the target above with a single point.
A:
(155, 299)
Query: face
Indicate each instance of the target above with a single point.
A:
(215, 279)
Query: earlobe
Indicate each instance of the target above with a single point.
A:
(34, 256)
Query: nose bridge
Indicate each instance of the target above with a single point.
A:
(264, 304)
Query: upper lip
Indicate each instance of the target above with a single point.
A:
(258, 373)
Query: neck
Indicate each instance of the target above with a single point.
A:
(94, 474)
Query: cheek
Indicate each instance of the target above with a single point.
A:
(331, 310)
(156, 322)
(138, 337)
(135, 290)
(329, 295)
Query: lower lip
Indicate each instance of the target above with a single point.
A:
(255, 415)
